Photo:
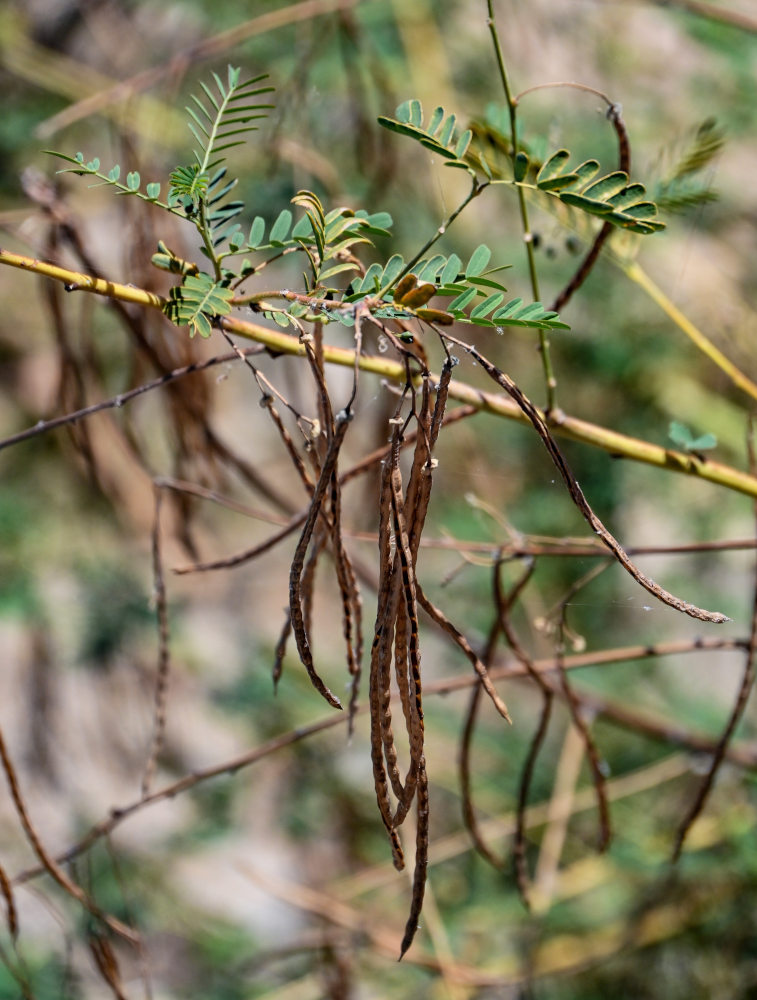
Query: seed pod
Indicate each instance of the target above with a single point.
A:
(436, 316)
(418, 296)
(406, 285)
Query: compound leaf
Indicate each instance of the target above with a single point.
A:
(196, 302)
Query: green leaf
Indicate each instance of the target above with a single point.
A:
(606, 187)
(681, 435)
(448, 129)
(280, 228)
(189, 182)
(257, 232)
(372, 280)
(226, 114)
(462, 144)
(631, 195)
(416, 113)
(590, 205)
(379, 222)
(510, 309)
(133, 181)
(462, 300)
(520, 167)
(559, 182)
(114, 173)
(153, 190)
(402, 112)
(392, 271)
(489, 304)
(436, 119)
(196, 302)
(482, 282)
(478, 261)
(585, 172)
(280, 319)
(451, 270)
(303, 229)
(553, 166)
(336, 269)
(641, 210)
(428, 269)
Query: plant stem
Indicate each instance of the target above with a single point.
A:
(204, 230)
(278, 342)
(475, 191)
(705, 345)
(75, 281)
(512, 103)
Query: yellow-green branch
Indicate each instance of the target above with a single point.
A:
(278, 342)
(705, 345)
(75, 281)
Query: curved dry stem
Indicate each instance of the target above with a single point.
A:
(48, 863)
(577, 495)
(164, 649)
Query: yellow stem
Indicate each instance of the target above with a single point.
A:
(278, 342)
(705, 345)
(75, 281)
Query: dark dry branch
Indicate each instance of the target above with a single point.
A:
(43, 426)
(576, 493)
(383, 750)
(164, 649)
(464, 756)
(503, 603)
(242, 557)
(665, 731)
(107, 964)
(586, 265)
(577, 715)
(11, 913)
(268, 389)
(281, 648)
(520, 861)
(438, 616)
(48, 863)
(739, 706)
(266, 401)
(360, 468)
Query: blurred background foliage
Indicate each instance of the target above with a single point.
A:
(276, 882)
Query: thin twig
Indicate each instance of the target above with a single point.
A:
(742, 697)
(49, 864)
(577, 495)
(164, 650)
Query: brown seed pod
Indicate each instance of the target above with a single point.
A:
(436, 316)
(405, 286)
(418, 296)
